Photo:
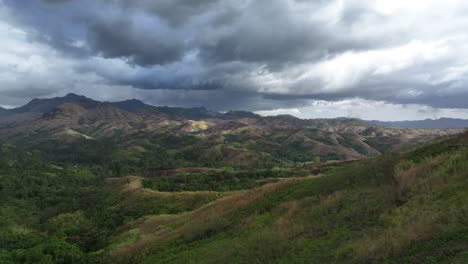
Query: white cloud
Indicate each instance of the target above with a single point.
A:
(281, 111)
(347, 70)
(367, 110)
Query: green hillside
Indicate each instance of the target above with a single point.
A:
(409, 208)
(398, 208)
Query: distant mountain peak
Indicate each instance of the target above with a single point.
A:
(241, 114)
(74, 96)
(134, 101)
(130, 105)
(37, 107)
(287, 116)
(3, 111)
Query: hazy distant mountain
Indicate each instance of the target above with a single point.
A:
(137, 106)
(132, 105)
(36, 108)
(44, 105)
(427, 124)
(3, 112)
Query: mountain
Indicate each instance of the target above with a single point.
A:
(36, 108)
(45, 105)
(137, 106)
(195, 136)
(130, 105)
(441, 123)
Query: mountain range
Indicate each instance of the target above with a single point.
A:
(440, 123)
(200, 136)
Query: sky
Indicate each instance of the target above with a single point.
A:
(380, 60)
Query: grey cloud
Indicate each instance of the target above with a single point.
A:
(27, 92)
(246, 54)
(61, 24)
(176, 12)
(251, 31)
(216, 100)
(271, 32)
(122, 38)
(55, 1)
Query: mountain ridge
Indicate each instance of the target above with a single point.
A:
(198, 135)
(439, 123)
(36, 107)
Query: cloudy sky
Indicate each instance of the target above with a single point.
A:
(387, 60)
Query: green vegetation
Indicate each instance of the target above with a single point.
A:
(407, 208)
(37, 200)
(165, 152)
(62, 213)
(348, 141)
(220, 181)
(63, 203)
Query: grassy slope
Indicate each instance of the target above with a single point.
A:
(131, 198)
(409, 208)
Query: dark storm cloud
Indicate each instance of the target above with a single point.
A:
(123, 38)
(252, 31)
(55, 1)
(216, 100)
(61, 24)
(176, 12)
(272, 32)
(252, 54)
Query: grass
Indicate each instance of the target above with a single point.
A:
(405, 208)
(134, 201)
(219, 180)
(76, 133)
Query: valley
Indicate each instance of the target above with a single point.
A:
(84, 181)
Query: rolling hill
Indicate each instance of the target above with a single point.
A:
(397, 208)
(405, 208)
